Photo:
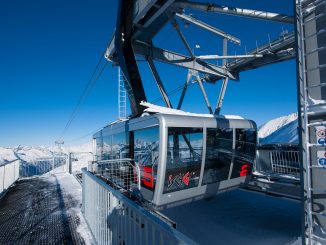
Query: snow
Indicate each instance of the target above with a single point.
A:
(70, 186)
(280, 130)
(151, 108)
(28, 154)
(6, 155)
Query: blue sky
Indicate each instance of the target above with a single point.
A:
(50, 48)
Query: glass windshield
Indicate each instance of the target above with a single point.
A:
(184, 157)
(218, 154)
(120, 145)
(146, 153)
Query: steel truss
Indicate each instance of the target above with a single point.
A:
(139, 21)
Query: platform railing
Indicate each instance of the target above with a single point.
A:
(41, 166)
(285, 162)
(120, 173)
(113, 218)
(9, 173)
(278, 163)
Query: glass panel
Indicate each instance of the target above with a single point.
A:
(241, 168)
(245, 146)
(99, 148)
(184, 157)
(245, 149)
(146, 153)
(106, 150)
(218, 155)
(120, 145)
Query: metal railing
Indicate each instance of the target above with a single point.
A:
(278, 161)
(115, 219)
(9, 173)
(41, 166)
(285, 162)
(120, 173)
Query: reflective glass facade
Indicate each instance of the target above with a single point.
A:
(184, 158)
(218, 155)
(146, 154)
(113, 146)
(245, 152)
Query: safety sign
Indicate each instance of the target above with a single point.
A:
(321, 135)
(321, 158)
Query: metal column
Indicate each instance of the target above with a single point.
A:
(311, 68)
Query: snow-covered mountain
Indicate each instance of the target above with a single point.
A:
(28, 154)
(280, 130)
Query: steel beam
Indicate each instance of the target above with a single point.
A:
(184, 91)
(214, 8)
(149, 21)
(218, 57)
(225, 81)
(158, 13)
(140, 9)
(159, 83)
(166, 56)
(126, 56)
(204, 94)
(208, 27)
(177, 28)
(276, 51)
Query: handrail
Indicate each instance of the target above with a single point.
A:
(116, 173)
(9, 162)
(136, 216)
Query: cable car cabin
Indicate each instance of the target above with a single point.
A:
(182, 158)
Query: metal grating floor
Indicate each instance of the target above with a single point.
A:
(34, 212)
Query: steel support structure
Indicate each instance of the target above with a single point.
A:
(250, 13)
(225, 80)
(311, 70)
(159, 83)
(139, 21)
(126, 56)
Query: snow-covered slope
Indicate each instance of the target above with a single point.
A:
(280, 130)
(28, 154)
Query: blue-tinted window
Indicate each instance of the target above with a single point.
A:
(146, 153)
(245, 145)
(106, 148)
(120, 145)
(218, 155)
(99, 148)
(184, 157)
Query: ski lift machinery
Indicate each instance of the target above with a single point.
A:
(181, 158)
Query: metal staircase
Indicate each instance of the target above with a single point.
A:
(311, 39)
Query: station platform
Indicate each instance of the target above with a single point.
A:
(43, 210)
(240, 217)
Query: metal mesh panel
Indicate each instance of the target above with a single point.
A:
(120, 174)
(285, 162)
(40, 166)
